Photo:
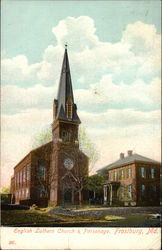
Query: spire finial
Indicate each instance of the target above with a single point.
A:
(65, 45)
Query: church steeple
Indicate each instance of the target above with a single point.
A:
(64, 106)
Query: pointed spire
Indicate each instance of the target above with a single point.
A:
(65, 92)
(65, 85)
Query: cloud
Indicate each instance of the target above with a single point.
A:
(17, 71)
(78, 32)
(136, 55)
(113, 118)
(100, 96)
(106, 94)
(17, 133)
(28, 122)
(141, 37)
(141, 139)
(16, 99)
(14, 146)
(144, 42)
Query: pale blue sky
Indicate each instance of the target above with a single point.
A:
(26, 25)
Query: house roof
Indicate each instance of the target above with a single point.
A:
(65, 92)
(128, 160)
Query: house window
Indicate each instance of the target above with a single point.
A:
(115, 175)
(129, 172)
(121, 173)
(122, 192)
(28, 173)
(129, 191)
(143, 172)
(152, 173)
(41, 171)
(143, 188)
(41, 191)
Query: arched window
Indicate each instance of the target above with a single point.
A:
(41, 171)
(69, 108)
(27, 173)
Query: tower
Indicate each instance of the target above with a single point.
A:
(67, 160)
(65, 118)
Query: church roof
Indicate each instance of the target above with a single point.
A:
(41, 147)
(128, 160)
(65, 91)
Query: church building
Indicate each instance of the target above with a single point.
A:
(55, 172)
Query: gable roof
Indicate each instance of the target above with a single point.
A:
(128, 160)
(34, 150)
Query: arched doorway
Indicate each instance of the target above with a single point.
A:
(67, 196)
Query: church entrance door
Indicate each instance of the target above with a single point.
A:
(67, 196)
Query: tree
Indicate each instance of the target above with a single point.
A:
(95, 185)
(43, 137)
(96, 182)
(87, 147)
(5, 190)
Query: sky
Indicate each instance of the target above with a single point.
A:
(114, 54)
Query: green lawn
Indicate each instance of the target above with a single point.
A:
(42, 217)
(17, 217)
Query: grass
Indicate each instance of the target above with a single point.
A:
(17, 217)
(43, 217)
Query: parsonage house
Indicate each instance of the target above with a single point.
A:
(54, 173)
(132, 180)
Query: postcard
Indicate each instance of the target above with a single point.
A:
(80, 125)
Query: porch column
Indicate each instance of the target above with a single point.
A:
(111, 195)
(105, 194)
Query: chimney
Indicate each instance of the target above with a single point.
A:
(121, 155)
(130, 152)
